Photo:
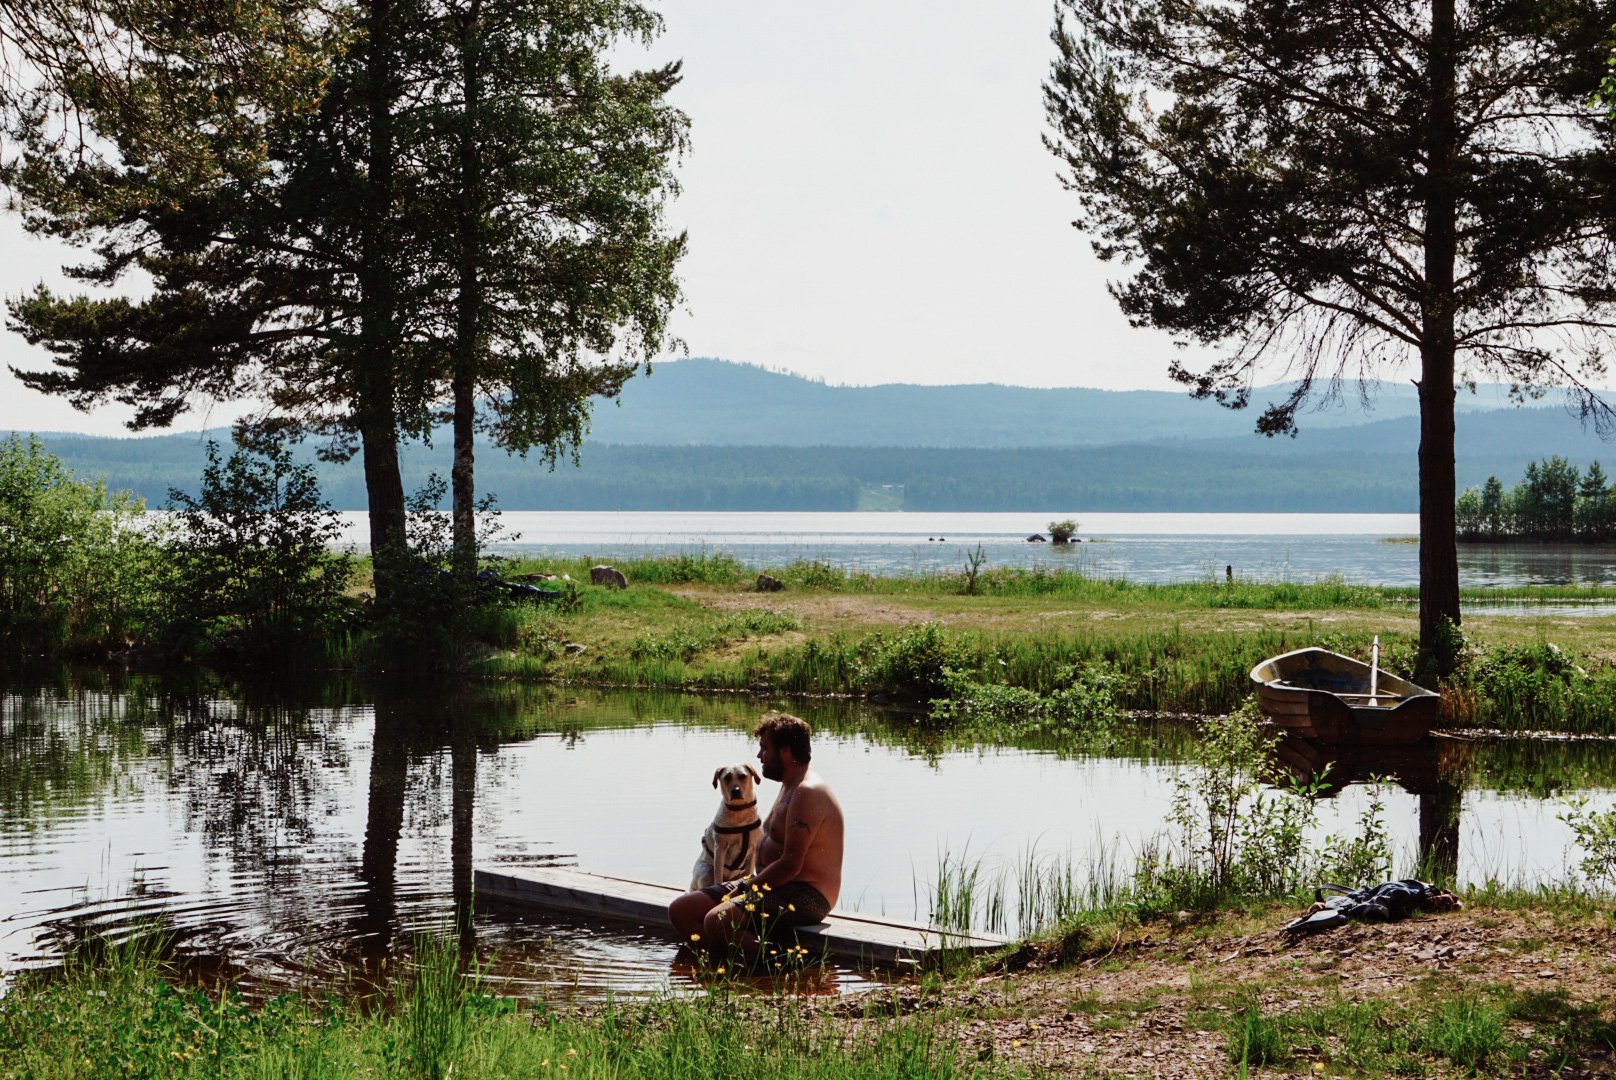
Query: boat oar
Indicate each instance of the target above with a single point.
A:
(1374, 669)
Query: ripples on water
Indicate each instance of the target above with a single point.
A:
(304, 843)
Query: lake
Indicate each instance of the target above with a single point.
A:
(1369, 549)
(302, 840)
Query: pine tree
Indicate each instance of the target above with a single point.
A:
(1594, 507)
(559, 275)
(1347, 188)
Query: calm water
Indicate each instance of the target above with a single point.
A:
(1370, 549)
(290, 842)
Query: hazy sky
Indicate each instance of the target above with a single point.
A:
(867, 200)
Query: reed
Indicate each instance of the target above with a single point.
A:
(1035, 895)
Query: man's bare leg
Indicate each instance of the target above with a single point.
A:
(728, 928)
(687, 913)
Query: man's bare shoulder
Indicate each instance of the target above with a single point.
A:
(814, 794)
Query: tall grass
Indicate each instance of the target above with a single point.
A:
(124, 1014)
(1036, 894)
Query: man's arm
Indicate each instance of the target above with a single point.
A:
(808, 809)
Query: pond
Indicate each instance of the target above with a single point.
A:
(302, 839)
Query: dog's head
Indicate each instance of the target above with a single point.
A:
(735, 782)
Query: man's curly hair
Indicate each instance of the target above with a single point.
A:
(787, 732)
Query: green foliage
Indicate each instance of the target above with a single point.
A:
(1536, 687)
(1234, 836)
(74, 567)
(1483, 1030)
(1596, 835)
(1061, 532)
(1365, 856)
(686, 641)
(329, 231)
(819, 574)
(1553, 502)
(433, 1011)
(1082, 709)
(973, 568)
(432, 616)
(252, 575)
(912, 664)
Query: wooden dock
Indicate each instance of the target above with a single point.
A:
(864, 938)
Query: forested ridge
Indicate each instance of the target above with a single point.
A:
(1367, 468)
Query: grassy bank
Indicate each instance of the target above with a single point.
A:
(696, 621)
(126, 1013)
(1518, 990)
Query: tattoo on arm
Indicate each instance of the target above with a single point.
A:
(799, 823)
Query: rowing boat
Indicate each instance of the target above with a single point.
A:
(1324, 695)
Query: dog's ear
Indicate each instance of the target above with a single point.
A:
(716, 774)
(756, 779)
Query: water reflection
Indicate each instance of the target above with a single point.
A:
(1488, 565)
(303, 837)
(1432, 771)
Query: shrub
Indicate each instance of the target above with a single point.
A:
(913, 664)
(253, 579)
(1083, 707)
(74, 569)
(1596, 835)
(432, 617)
(1061, 532)
(1234, 836)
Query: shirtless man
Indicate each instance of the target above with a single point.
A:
(799, 874)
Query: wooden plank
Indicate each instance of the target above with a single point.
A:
(848, 934)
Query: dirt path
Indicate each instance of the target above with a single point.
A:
(833, 610)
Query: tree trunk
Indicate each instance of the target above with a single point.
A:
(375, 384)
(465, 346)
(463, 820)
(1439, 555)
(384, 822)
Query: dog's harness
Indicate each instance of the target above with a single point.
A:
(744, 831)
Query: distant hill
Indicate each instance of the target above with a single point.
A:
(717, 403)
(708, 435)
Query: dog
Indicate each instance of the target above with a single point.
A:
(729, 845)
